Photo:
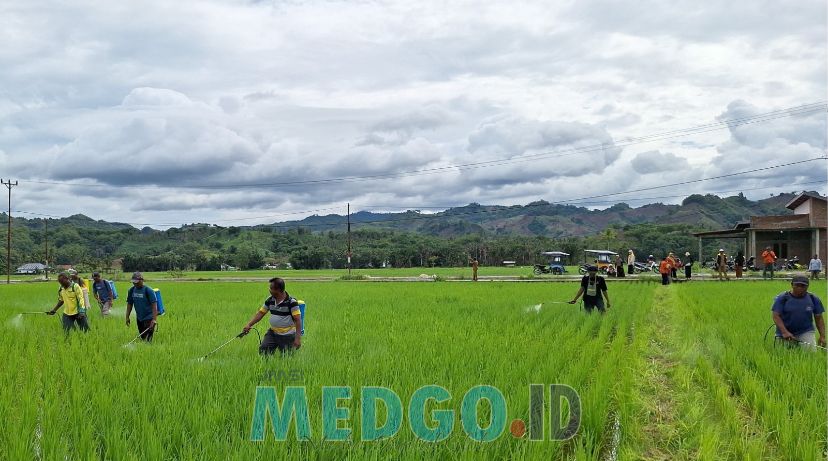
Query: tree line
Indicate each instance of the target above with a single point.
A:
(208, 247)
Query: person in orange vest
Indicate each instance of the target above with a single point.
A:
(671, 258)
(769, 258)
(664, 268)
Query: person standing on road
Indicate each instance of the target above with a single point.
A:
(103, 293)
(671, 258)
(143, 299)
(475, 264)
(769, 258)
(815, 267)
(796, 311)
(285, 320)
(739, 263)
(721, 265)
(593, 287)
(664, 269)
(630, 262)
(688, 265)
(70, 296)
(619, 266)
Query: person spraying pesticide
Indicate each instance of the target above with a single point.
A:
(285, 320)
(103, 293)
(70, 296)
(796, 311)
(143, 299)
(593, 287)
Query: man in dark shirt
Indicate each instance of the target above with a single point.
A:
(143, 299)
(688, 265)
(593, 287)
(796, 311)
(103, 293)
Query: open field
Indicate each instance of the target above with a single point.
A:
(450, 273)
(678, 372)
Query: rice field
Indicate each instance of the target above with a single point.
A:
(677, 372)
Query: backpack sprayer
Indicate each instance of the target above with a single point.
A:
(238, 336)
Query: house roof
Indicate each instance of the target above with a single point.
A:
(801, 198)
(722, 234)
(31, 267)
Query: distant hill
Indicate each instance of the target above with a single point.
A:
(492, 233)
(78, 220)
(556, 220)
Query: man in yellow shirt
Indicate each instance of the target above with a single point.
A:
(70, 296)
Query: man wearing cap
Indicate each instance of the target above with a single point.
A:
(769, 258)
(688, 265)
(146, 307)
(285, 320)
(796, 311)
(593, 287)
(70, 296)
(103, 293)
(721, 265)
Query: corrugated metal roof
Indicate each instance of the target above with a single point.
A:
(31, 267)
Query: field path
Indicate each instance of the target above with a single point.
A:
(688, 411)
(657, 384)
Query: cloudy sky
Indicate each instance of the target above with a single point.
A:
(241, 112)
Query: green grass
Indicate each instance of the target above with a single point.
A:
(682, 369)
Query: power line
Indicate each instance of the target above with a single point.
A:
(270, 216)
(501, 208)
(619, 200)
(559, 202)
(724, 123)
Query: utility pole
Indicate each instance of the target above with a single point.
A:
(9, 186)
(349, 238)
(46, 253)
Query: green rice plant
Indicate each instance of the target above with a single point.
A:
(725, 394)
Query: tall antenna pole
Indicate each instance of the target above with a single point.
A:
(9, 186)
(349, 238)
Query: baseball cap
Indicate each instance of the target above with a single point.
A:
(72, 272)
(799, 280)
(592, 269)
(721, 249)
(686, 253)
(136, 276)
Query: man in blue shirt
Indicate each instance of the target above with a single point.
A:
(796, 311)
(103, 293)
(146, 306)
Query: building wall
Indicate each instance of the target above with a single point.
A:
(819, 213)
(786, 244)
(803, 208)
(780, 222)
